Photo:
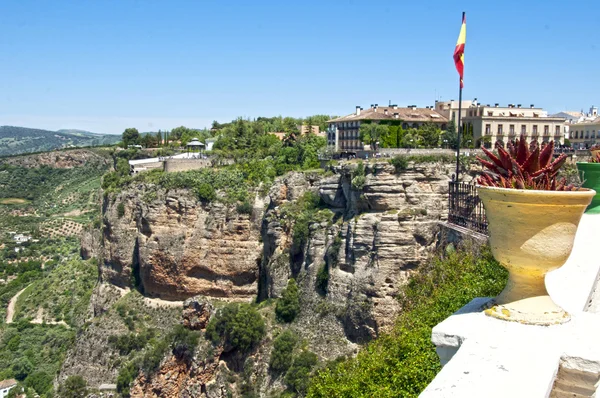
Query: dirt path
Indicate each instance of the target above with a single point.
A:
(10, 311)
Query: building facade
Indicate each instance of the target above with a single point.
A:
(449, 109)
(584, 135)
(343, 132)
(491, 124)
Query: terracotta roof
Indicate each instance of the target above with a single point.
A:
(8, 383)
(404, 114)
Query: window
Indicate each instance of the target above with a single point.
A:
(490, 113)
(557, 130)
(523, 129)
(593, 135)
(511, 129)
(488, 128)
(535, 131)
(546, 129)
(500, 129)
(587, 134)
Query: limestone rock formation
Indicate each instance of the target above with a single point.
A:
(173, 247)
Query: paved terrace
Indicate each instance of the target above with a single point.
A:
(488, 357)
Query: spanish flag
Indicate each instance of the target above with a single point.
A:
(459, 51)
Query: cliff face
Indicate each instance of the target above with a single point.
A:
(60, 159)
(174, 247)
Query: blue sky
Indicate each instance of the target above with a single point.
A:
(107, 65)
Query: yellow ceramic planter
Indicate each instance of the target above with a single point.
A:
(531, 233)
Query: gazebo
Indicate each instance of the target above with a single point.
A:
(194, 145)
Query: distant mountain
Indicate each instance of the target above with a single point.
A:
(17, 140)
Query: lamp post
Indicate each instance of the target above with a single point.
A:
(445, 144)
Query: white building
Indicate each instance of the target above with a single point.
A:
(6, 386)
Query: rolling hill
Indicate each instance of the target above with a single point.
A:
(18, 140)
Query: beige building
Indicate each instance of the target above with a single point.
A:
(491, 124)
(449, 109)
(343, 132)
(585, 134)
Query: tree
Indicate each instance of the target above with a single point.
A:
(73, 387)
(372, 133)
(288, 306)
(178, 132)
(430, 134)
(238, 326)
(130, 136)
(283, 347)
(297, 377)
(450, 136)
(21, 368)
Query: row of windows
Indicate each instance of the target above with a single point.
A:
(580, 134)
(511, 129)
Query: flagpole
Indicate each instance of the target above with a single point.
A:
(459, 128)
(460, 87)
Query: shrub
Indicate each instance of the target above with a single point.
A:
(40, 381)
(21, 368)
(206, 192)
(120, 209)
(359, 182)
(126, 376)
(403, 362)
(238, 326)
(400, 163)
(323, 278)
(297, 377)
(283, 347)
(288, 306)
(333, 251)
(153, 356)
(73, 387)
(184, 342)
(244, 208)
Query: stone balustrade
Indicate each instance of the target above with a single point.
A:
(487, 357)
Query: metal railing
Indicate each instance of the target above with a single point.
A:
(465, 209)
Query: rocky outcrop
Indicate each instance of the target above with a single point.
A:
(196, 313)
(66, 159)
(175, 247)
(366, 238)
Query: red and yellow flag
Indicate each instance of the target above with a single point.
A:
(459, 51)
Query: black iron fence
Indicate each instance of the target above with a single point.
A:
(465, 208)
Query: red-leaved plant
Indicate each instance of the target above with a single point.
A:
(523, 167)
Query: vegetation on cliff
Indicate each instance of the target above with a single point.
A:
(402, 362)
(259, 157)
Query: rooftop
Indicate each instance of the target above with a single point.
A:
(8, 383)
(410, 114)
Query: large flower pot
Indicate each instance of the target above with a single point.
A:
(589, 173)
(531, 233)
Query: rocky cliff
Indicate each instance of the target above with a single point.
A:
(363, 240)
(66, 159)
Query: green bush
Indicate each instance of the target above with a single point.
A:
(288, 306)
(126, 375)
(244, 208)
(238, 326)
(403, 362)
(73, 387)
(400, 163)
(297, 377)
(21, 368)
(333, 251)
(121, 209)
(184, 342)
(40, 381)
(153, 356)
(323, 278)
(206, 192)
(283, 348)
